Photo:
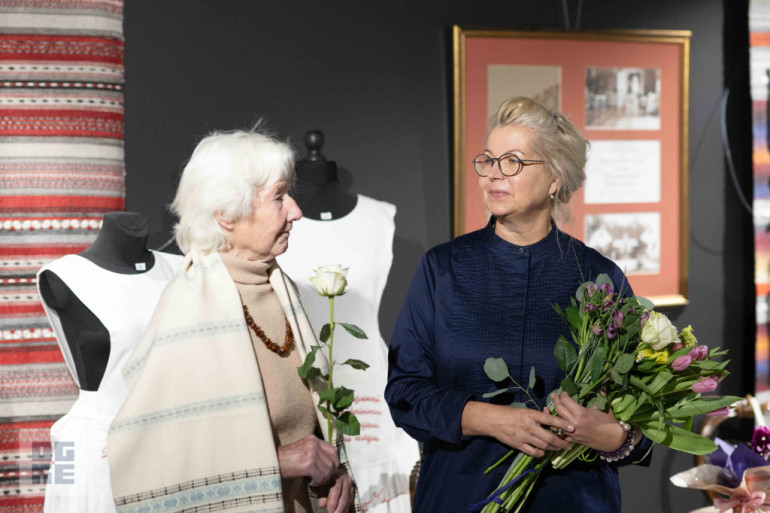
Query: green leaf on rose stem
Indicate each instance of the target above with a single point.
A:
(677, 438)
(496, 369)
(565, 354)
(701, 406)
(325, 332)
(532, 378)
(646, 303)
(347, 424)
(497, 392)
(343, 397)
(569, 386)
(325, 412)
(597, 364)
(624, 363)
(519, 405)
(353, 330)
(356, 364)
(601, 402)
(304, 369)
(326, 395)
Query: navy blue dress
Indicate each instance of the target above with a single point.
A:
(475, 297)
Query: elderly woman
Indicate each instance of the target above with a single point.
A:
(217, 418)
(489, 294)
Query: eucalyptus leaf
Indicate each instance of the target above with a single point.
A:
(496, 369)
(325, 332)
(532, 378)
(565, 354)
(604, 279)
(356, 364)
(497, 392)
(646, 303)
(518, 405)
(353, 330)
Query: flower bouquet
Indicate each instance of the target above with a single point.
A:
(740, 473)
(627, 357)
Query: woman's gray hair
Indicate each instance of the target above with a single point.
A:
(222, 177)
(556, 140)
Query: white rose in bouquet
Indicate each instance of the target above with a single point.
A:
(659, 332)
(329, 280)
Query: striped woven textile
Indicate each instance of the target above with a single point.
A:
(61, 169)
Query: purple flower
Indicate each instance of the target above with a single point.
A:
(617, 319)
(644, 317)
(612, 332)
(608, 303)
(704, 386)
(606, 288)
(699, 353)
(681, 363)
(760, 442)
(597, 329)
(590, 307)
(591, 289)
(721, 412)
(631, 309)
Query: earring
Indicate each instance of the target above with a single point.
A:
(553, 196)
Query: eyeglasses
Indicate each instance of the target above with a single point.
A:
(508, 164)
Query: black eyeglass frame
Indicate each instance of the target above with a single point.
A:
(522, 163)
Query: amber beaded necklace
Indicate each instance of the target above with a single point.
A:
(279, 350)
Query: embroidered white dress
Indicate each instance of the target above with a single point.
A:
(382, 456)
(79, 478)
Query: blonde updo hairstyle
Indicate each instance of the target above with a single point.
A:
(556, 140)
(223, 176)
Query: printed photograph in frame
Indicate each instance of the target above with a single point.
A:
(568, 69)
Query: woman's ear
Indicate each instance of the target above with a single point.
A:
(224, 223)
(555, 186)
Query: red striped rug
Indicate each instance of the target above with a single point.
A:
(61, 169)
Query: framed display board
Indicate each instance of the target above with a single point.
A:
(627, 93)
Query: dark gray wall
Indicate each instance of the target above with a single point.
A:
(375, 77)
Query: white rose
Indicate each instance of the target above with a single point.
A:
(659, 332)
(329, 280)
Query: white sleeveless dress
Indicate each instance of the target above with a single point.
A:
(382, 456)
(79, 478)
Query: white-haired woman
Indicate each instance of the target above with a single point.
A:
(217, 418)
(490, 294)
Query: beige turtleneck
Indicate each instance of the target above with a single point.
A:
(289, 403)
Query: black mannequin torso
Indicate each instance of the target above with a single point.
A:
(318, 190)
(120, 247)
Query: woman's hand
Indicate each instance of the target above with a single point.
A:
(520, 428)
(339, 493)
(594, 428)
(309, 457)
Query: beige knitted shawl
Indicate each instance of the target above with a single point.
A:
(194, 432)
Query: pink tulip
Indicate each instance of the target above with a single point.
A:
(681, 363)
(699, 353)
(704, 386)
(721, 412)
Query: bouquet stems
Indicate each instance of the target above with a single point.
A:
(329, 384)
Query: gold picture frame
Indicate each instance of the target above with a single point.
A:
(627, 91)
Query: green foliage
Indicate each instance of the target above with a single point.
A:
(532, 378)
(356, 364)
(565, 354)
(353, 330)
(496, 369)
(326, 331)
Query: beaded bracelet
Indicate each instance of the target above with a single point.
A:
(625, 449)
